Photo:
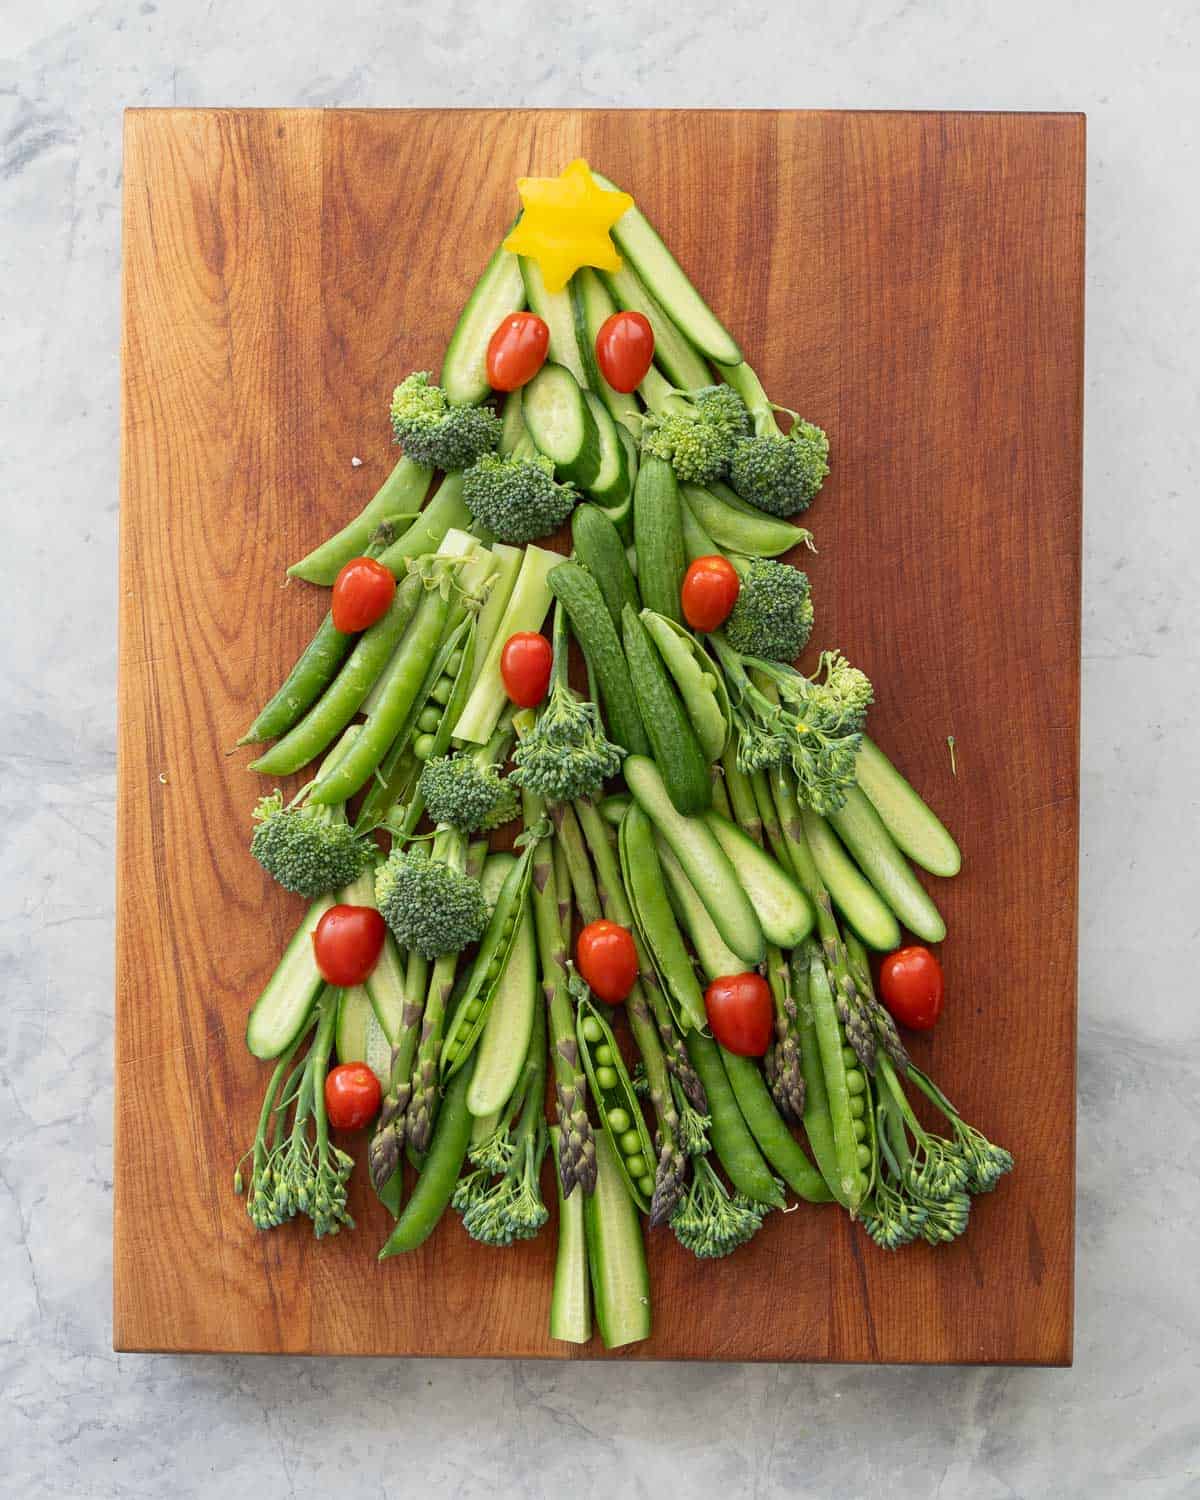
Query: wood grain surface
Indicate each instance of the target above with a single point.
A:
(912, 282)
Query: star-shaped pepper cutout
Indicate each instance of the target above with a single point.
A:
(566, 223)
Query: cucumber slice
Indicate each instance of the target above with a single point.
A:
(704, 861)
(561, 424)
(916, 828)
(715, 956)
(505, 1040)
(853, 894)
(783, 910)
(616, 1254)
(291, 992)
(863, 833)
(571, 1301)
(556, 311)
(611, 485)
(666, 278)
(593, 306)
(360, 1037)
(498, 292)
(673, 355)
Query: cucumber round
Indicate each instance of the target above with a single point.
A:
(561, 424)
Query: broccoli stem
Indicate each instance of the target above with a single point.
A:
(450, 847)
(750, 388)
(551, 916)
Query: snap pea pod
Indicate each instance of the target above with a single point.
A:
(767, 1127)
(495, 949)
(325, 653)
(616, 1103)
(737, 527)
(391, 777)
(345, 695)
(435, 1185)
(731, 1138)
(401, 686)
(655, 920)
(701, 685)
(843, 1079)
(398, 498)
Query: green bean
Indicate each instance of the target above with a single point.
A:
(767, 1127)
(398, 498)
(731, 1138)
(344, 697)
(401, 686)
(847, 1187)
(443, 1163)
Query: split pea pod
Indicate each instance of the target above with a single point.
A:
(398, 498)
(435, 1185)
(344, 696)
(616, 1103)
(731, 1139)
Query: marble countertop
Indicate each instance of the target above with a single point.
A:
(76, 1419)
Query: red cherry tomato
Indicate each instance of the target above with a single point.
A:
(607, 960)
(525, 666)
(624, 349)
(740, 1013)
(352, 1096)
(911, 983)
(347, 943)
(517, 351)
(710, 590)
(362, 592)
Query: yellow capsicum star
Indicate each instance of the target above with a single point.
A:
(566, 223)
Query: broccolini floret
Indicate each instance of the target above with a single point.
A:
(709, 1222)
(431, 907)
(432, 430)
(517, 498)
(308, 848)
(566, 754)
(696, 433)
(773, 614)
(780, 474)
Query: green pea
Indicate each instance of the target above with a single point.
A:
(423, 746)
(453, 1049)
(636, 1165)
(860, 1183)
(442, 689)
(508, 924)
(860, 1130)
(646, 1185)
(591, 1029)
(454, 663)
(429, 720)
(858, 1107)
(855, 1080)
(603, 1056)
(473, 1010)
(606, 1078)
(630, 1142)
(864, 1156)
(618, 1120)
(850, 1057)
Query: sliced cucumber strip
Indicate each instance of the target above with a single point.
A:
(498, 292)
(715, 956)
(616, 1254)
(674, 356)
(359, 1035)
(556, 311)
(561, 424)
(853, 894)
(505, 1039)
(291, 992)
(863, 833)
(593, 305)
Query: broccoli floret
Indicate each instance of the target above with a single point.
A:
(773, 615)
(517, 499)
(566, 754)
(709, 1222)
(460, 792)
(723, 407)
(780, 474)
(432, 430)
(307, 848)
(695, 432)
(431, 907)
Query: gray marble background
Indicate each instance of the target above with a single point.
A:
(76, 1419)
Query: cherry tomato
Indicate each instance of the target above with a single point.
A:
(362, 592)
(624, 349)
(347, 943)
(517, 351)
(740, 1013)
(352, 1096)
(911, 983)
(525, 666)
(607, 960)
(710, 590)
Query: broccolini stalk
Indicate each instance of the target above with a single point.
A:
(670, 1176)
(261, 1203)
(551, 917)
(423, 1103)
(985, 1162)
(709, 1222)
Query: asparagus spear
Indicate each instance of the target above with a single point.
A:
(551, 914)
(388, 1139)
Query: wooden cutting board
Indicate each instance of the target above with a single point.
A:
(914, 282)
